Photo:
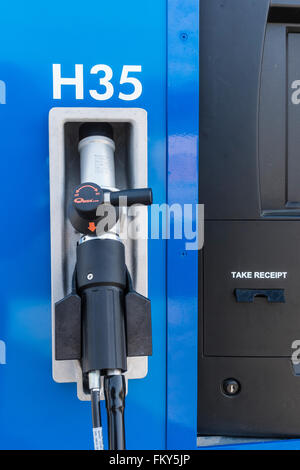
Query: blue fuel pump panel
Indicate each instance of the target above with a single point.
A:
(102, 54)
(126, 55)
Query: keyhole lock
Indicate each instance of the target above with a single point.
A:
(231, 387)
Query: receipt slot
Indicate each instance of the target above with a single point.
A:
(249, 179)
(101, 319)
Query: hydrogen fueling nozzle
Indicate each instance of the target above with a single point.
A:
(102, 279)
(96, 199)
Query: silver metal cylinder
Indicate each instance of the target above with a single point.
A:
(94, 380)
(97, 161)
(105, 236)
(113, 372)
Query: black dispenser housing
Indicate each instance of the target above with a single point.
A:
(249, 180)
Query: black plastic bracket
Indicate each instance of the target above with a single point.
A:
(138, 325)
(68, 328)
(68, 334)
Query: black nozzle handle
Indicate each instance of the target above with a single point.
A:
(133, 196)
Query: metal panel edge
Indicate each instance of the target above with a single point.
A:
(182, 265)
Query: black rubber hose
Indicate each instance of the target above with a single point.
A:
(115, 390)
(96, 417)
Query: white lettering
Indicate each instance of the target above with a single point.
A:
(104, 81)
(259, 275)
(76, 81)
